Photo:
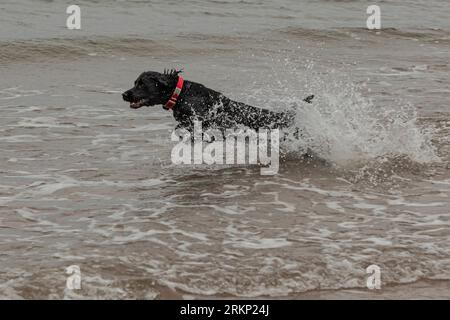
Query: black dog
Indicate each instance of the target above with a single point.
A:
(192, 101)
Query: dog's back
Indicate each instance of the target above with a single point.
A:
(217, 110)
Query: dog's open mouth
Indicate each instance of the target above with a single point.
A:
(138, 104)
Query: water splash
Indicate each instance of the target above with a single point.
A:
(342, 125)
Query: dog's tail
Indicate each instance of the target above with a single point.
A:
(309, 98)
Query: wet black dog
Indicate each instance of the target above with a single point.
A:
(191, 101)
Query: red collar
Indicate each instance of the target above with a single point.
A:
(173, 99)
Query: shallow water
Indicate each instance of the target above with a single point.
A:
(86, 181)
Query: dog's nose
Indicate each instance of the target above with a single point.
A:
(126, 95)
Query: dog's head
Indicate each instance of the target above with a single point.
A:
(151, 88)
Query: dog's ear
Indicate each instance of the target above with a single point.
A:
(168, 77)
(164, 80)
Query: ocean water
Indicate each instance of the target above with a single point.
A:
(87, 181)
